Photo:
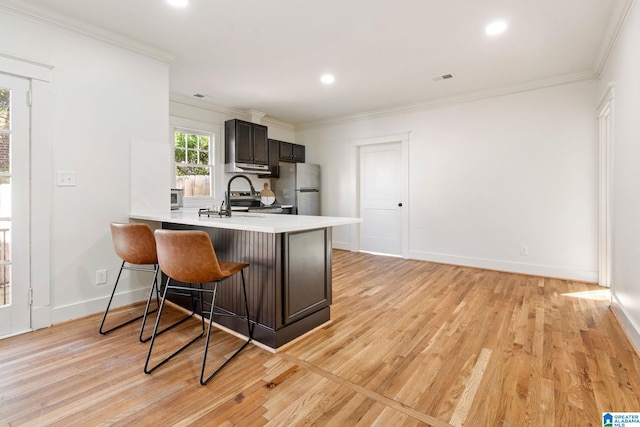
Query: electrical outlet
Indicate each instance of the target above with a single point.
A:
(101, 277)
(66, 179)
(524, 250)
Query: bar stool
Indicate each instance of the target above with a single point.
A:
(135, 245)
(187, 256)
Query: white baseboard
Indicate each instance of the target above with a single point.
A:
(86, 308)
(41, 317)
(342, 245)
(628, 325)
(490, 264)
(507, 266)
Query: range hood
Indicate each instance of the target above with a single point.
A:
(246, 147)
(247, 168)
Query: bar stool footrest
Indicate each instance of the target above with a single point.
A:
(167, 328)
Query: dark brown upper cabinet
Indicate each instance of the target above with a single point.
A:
(290, 152)
(274, 160)
(246, 142)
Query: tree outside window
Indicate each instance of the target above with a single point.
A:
(193, 163)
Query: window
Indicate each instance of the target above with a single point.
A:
(5, 197)
(194, 162)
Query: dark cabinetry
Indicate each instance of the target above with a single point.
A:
(288, 281)
(290, 152)
(280, 151)
(246, 142)
(274, 160)
(306, 274)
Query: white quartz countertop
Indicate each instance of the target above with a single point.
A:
(266, 223)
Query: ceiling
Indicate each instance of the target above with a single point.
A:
(269, 55)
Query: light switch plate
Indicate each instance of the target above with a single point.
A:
(101, 277)
(66, 179)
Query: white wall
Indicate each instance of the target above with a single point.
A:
(486, 177)
(102, 97)
(623, 69)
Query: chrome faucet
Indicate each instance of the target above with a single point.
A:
(227, 211)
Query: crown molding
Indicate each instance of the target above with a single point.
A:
(231, 112)
(618, 18)
(83, 29)
(442, 102)
(268, 121)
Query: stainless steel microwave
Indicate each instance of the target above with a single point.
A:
(176, 198)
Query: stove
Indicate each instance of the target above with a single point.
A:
(242, 200)
(245, 201)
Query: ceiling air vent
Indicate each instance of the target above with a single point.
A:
(443, 77)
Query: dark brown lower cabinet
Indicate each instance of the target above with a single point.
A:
(307, 273)
(288, 281)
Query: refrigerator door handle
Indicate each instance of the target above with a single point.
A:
(308, 190)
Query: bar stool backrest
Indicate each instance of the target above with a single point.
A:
(134, 243)
(187, 256)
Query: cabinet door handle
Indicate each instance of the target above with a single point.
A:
(400, 204)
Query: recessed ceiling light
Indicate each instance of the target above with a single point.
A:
(178, 3)
(495, 28)
(327, 79)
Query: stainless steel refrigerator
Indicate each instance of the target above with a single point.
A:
(299, 185)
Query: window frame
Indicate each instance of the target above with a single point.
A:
(205, 129)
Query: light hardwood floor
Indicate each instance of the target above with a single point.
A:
(410, 343)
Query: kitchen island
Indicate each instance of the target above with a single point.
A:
(289, 275)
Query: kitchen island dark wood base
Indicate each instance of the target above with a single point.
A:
(288, 281)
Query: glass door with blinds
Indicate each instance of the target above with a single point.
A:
(15, 310)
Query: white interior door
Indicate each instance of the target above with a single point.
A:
(381, 198)
(15, 310)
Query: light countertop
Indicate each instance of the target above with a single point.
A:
(261, 222)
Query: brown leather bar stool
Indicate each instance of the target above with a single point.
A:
(188, 257)
(135, 245)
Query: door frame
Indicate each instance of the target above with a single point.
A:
(41, 183)
(403, 140)
(605, 178)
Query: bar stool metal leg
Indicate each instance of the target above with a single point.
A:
(187, 317)
(206, 345)
(146, 310)
(155, 333)
(154, 286)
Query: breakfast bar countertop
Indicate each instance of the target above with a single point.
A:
(265, 223)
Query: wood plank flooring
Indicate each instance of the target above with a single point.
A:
(410, 343)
